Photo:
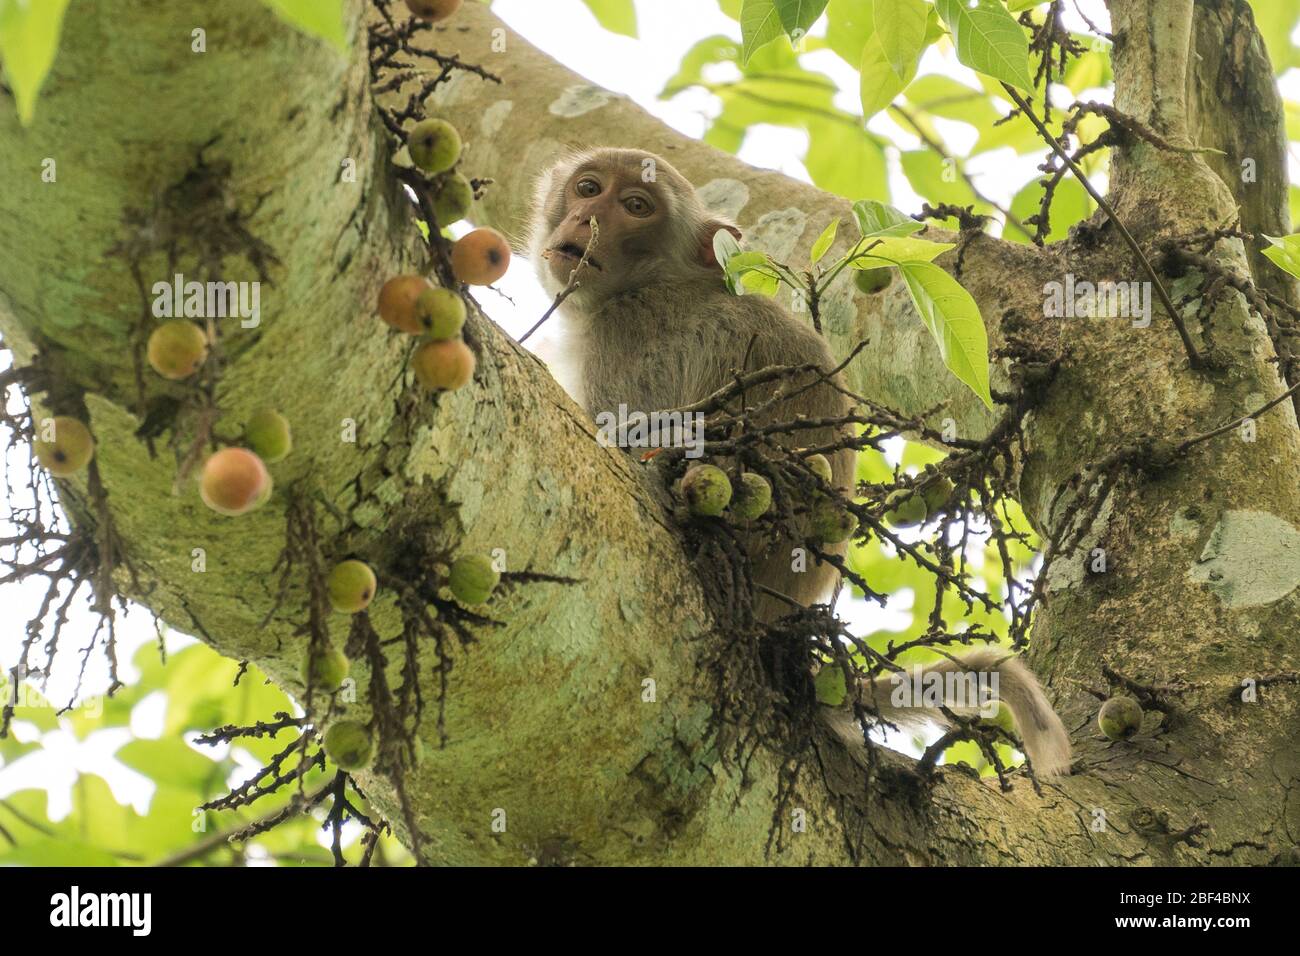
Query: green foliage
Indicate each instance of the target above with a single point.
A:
(319, 18)
(892, 52)
(887, 240)
(1285, 253)
(953, 318)
(616, 16)
(29, 39)
(988, 39)
(1276, 20)
(798, 16)
(198, 688)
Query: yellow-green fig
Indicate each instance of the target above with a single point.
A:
(177, 349)
(351, 586)
(453, 198)
(268, 434)
(441, 313)
(832, 522)
(820, 466)
(937, 492)
(473, 578)
(905, 508)
(707, 490)
(63, 446)
(751, 498)
(435, 145)
(1120, 718)
(871, 281)
(348, 744)
(326, 669)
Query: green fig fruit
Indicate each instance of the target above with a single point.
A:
(473, 578)
(707, 490)
(751, 498)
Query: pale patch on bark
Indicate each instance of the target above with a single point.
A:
(579, 100)
(1068, 572)
(494, 117)
(1251, 558)
(778, 232)
(726, 197)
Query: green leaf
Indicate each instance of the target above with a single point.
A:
(953, 318)
(318, 18)
(879, 220)
(1285, 253)
(1071, 204)
(760, 24)
(751, 271)
(846, 160)
(879, 83)
(895, 250)
(900, 28)
(798, 16)
(29, 38)
(171, 761)
(710, 50)
(988, 39)
(938, 178)
(825, 240)
(848, 27)
(616, 16)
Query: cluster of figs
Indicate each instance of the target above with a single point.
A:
(709, 492)
(235, 480)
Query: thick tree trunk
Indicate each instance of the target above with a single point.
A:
(546, 714)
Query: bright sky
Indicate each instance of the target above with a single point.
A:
(638, 68)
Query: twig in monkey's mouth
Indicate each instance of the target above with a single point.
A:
(570, 250)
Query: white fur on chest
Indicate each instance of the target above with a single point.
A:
(564, 353)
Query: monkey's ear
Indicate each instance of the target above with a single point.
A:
(710, 229)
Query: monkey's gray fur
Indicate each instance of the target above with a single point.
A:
(653, 327)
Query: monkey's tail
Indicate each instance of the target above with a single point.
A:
(1047, 745)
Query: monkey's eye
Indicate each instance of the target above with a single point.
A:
(588, 188)
(638, 206)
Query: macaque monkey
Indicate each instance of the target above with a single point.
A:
(651, 326)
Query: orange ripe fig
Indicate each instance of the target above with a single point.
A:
(63, 446)
(234, 481)
(433, 10)
(177, 349)
(481, 257)
(397, 302)
(447, 364)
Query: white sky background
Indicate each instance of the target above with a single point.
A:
(638, 68)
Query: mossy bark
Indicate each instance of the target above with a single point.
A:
(547, 715)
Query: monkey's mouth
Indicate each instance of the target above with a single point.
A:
(571, 250)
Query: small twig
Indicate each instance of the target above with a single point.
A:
(569, 289)
(1223, 429)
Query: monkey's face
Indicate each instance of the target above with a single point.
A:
(625, 210)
